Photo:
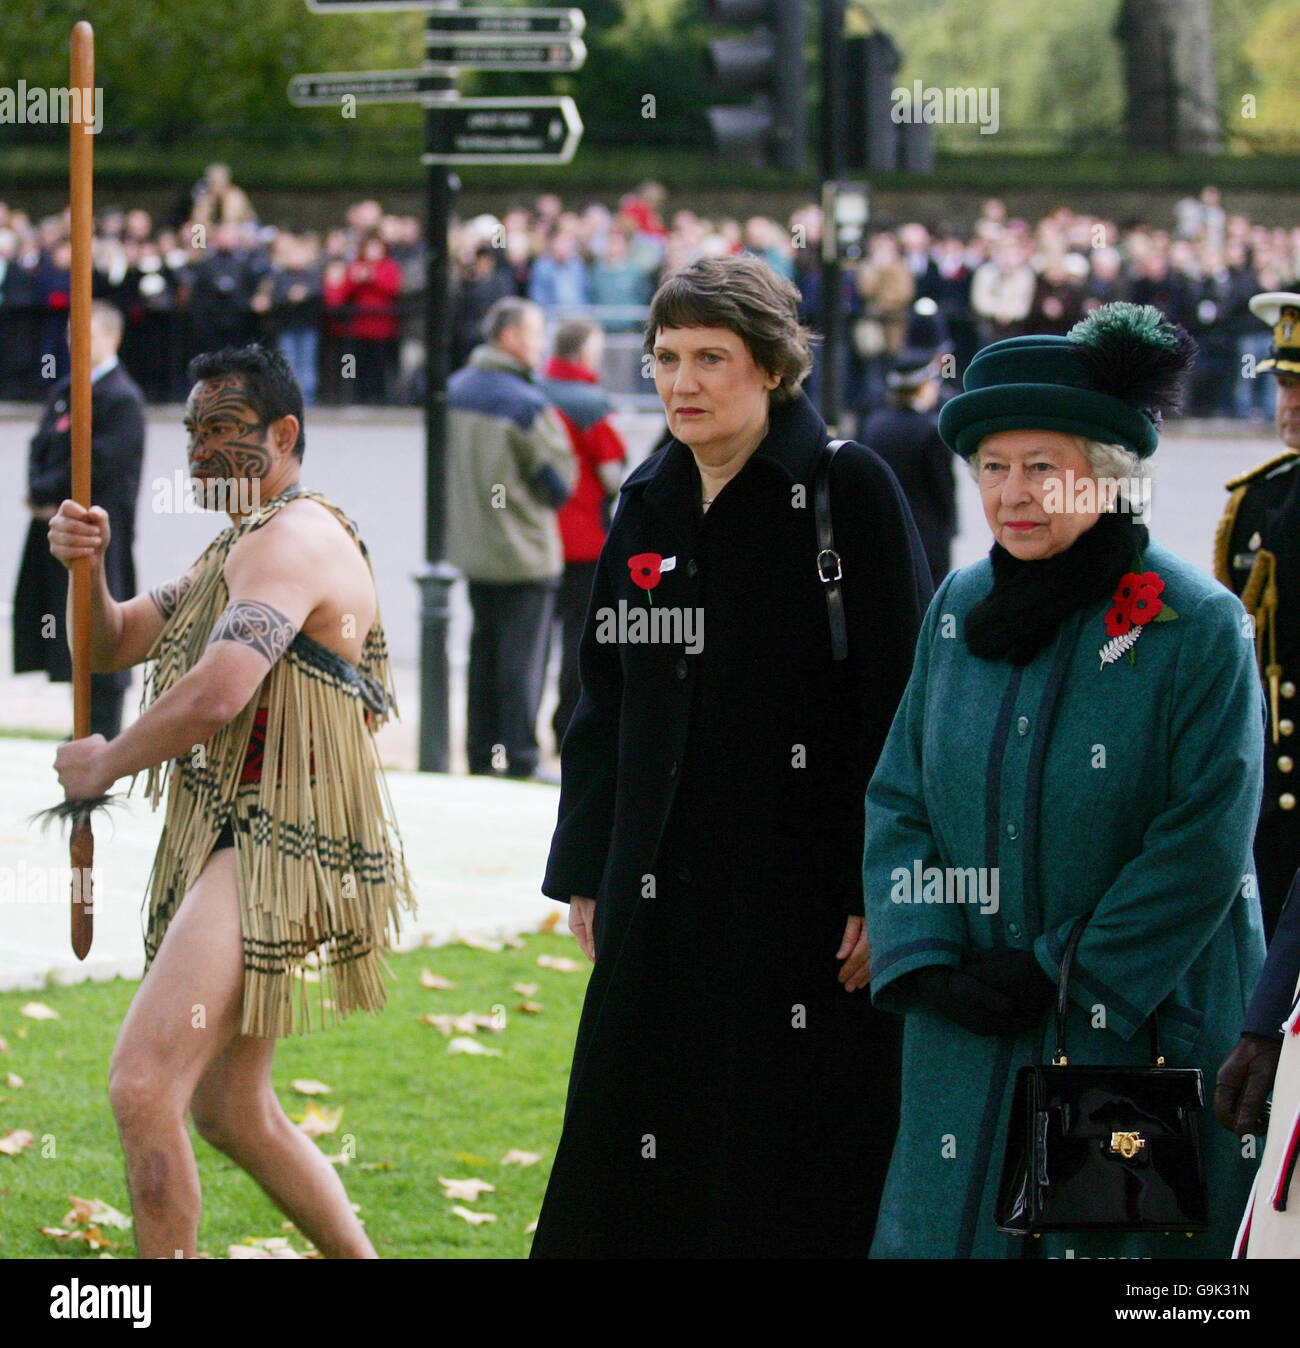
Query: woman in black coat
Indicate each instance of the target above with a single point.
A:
(732, 1092)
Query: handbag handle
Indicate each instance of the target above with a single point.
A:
(1059, 1058)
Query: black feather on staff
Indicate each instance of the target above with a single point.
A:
(74, 812)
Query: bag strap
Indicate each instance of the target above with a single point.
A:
(1059, 1058)
(829, 567)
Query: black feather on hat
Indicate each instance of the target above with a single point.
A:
(1134, 353)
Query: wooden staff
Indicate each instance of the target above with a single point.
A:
(81, 171)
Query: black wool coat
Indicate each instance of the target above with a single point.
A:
(727, 1096)
(117, 456)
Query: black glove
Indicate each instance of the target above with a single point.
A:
(1015, 974)
(1244, 1082)
(968, 1003)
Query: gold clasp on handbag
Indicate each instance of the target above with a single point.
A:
(1127, 1144)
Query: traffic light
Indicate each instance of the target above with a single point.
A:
(871, 67)
(771, 130)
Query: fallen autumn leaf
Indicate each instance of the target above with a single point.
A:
(468, 1189)
(319, 1119)
(474, 1218)
(476, 942)
(16, 1140)
(561, 964)
(463, 1044)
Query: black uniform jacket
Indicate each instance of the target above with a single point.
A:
(909, 443)
(1275, 992)
(117, 456)
(1264, 514)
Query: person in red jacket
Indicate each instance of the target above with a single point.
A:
(369, 294)
(571, 380)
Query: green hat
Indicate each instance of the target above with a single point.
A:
(1110, 379)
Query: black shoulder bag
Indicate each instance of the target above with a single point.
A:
(829, 567)
(1103, 1148)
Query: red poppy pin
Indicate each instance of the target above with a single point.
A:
(647, 570)
(1136, 603)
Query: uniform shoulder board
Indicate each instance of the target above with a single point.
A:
(1282, 463)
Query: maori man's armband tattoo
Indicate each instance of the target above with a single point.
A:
(167, 597)
(259, 626)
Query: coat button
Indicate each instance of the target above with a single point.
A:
(682, 668)
(692, 567)
(1285, 727)
(1022, 725)
(684, 874)
(1012, 831)
(1288, 689)
(1286, 800)
(1285, 764)
(1013, 929)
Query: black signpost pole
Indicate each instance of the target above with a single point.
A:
(832, 166)
(436, 579)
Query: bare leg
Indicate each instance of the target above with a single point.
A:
(236, 1110)
(184, 1013)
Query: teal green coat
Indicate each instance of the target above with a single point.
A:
(1127, 793)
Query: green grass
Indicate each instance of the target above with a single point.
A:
(407, 1103)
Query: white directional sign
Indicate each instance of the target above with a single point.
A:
(486, 24)
(370, 6)
(555, 55)
(503, 131)
(372, 86)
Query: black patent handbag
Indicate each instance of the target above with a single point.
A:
(1103, 1148)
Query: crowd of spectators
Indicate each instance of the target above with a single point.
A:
(214, 274)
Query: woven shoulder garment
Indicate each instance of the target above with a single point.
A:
(322, 875)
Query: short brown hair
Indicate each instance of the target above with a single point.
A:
(746, 296)
(572, 335)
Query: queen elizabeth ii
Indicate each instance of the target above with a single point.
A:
(1083, 721)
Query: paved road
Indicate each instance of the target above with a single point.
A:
(475, 846)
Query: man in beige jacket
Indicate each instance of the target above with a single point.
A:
(510, 467)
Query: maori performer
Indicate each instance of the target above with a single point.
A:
(268, 675)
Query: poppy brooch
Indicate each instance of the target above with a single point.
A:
(647, 570)
(1136, 603)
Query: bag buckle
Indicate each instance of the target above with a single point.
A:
(828, 559)
(1127, 1145)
